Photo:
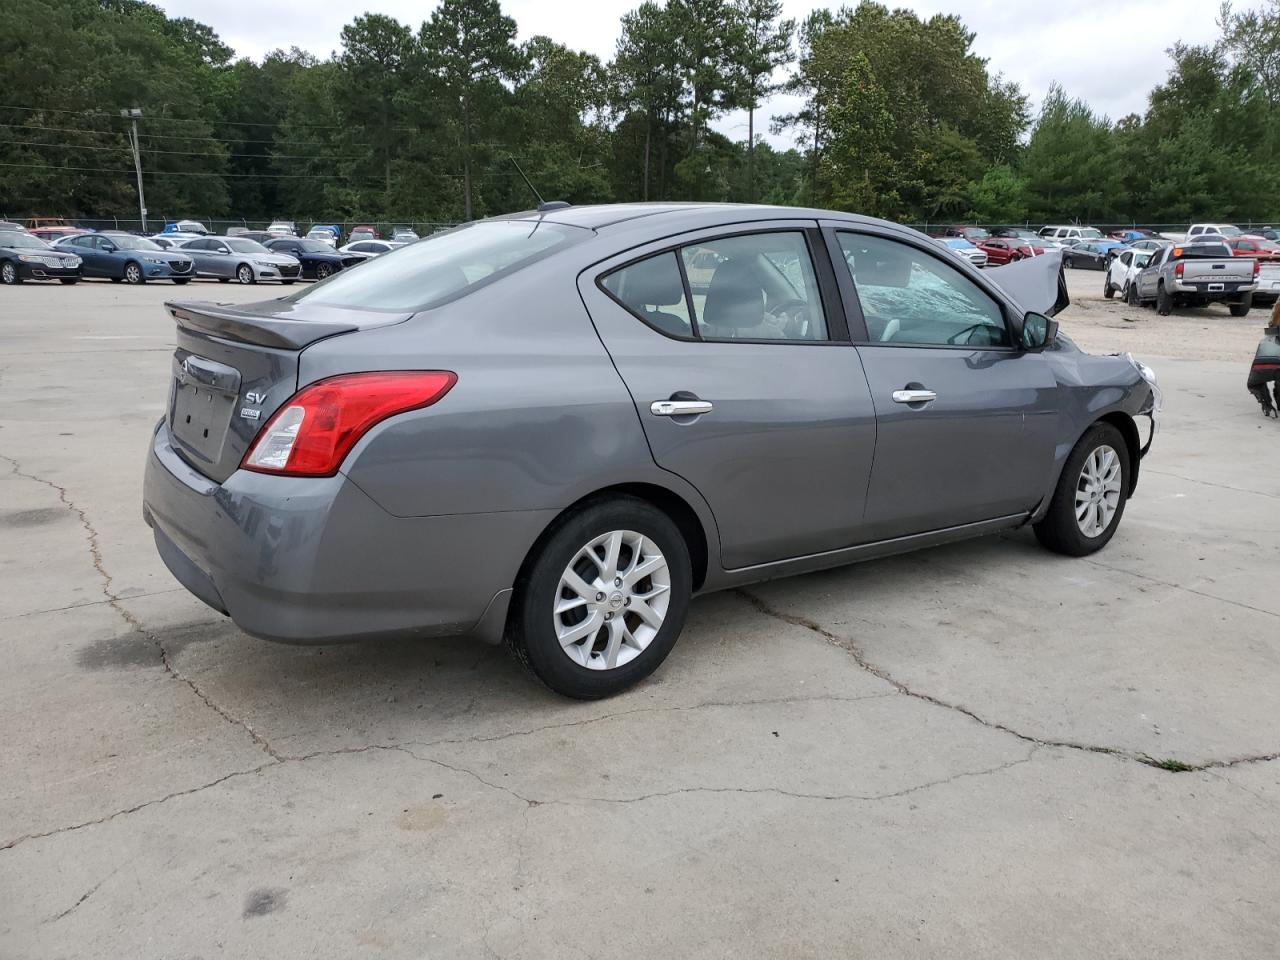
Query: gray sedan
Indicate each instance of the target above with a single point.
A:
(242, 259)
(555, 428)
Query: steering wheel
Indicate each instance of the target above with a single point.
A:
(793, 316)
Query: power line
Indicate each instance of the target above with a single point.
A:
(183, 153)
(261, 176)
(234, 123)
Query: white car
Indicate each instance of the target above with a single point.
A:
(370, 248)
(285, 228)
(1064, 233)
(1119, 276)
(959, 245)
(324, 235)
(171, 241)
(1214, 229)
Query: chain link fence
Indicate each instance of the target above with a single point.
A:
(218, 225)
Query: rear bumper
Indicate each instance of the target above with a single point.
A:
(1228, 288)
(315, 560)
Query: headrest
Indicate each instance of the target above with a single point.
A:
(653, 282)
(735, 297)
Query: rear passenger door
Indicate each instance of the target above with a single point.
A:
(967, 421)
(733, 346)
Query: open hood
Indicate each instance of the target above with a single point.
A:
(1037, 284)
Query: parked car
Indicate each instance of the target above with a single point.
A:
(1120, 274)
(1000, 251)
(187, 227)
(1197, 274)
(236, 231)
(318, 259)
(387, 454)
(1226, 230)
(403, 234)
(1150, 245)
(366, 249)
(26, 257)
(171, 241)
(323, 235)
(1087, 255)
(6, 225)
(970, 251)
(1133, 235)
(1269, 233)
(35, 223)
(123, 257)
(52, 234)
(973, 234)
(1064, 233)
(363, 231)
(285, 228)
(242, 259)
(1260, 248)
(260, 236)
(1022, 233)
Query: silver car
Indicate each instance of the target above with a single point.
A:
(557, 428)
(242, 259)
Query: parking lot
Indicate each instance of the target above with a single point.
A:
(982, 750)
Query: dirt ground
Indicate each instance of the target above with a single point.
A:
(1112, 326)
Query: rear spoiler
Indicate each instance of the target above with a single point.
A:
(1036, 284)
(281, 324)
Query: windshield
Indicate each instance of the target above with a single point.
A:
(241, 245)
(958, 243)
(126, 242)
(1088, 233)
(443, 266)
(23, 241)
(1227, 230)
(314, 246)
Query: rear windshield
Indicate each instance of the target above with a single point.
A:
(443, 266)
(1200, 251)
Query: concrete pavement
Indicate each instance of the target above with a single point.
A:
(976, 751)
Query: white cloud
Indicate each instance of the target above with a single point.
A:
(1110, 52)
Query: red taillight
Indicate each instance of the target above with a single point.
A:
(1257, 268)
(315, 430)
(1177, 270)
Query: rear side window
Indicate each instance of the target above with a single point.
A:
(758, 286)
(444, 266)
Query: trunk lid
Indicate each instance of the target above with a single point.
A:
(236, 365)
(1233, 270)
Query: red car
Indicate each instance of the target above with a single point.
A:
(1000, 250)
(50, 234)
(1259, 248)
(972, 234)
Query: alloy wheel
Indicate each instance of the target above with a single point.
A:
(323, 271)
(1098, 491)
(612, 600)
(9, 273)
(133, 273)
(245, 274)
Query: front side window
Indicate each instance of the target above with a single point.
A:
(750, 287)
(910, 297)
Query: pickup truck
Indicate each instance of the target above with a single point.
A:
(1197, 274)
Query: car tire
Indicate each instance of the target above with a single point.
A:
(1242, 308)
(1108, 291)
(117, 279)
(1164, 301)
(68, 280)
(133, 274)
(224, 279)
(181, 280)
(9, 273)
(1131, 294)
(324, 270)
(546, 627)
(245, 274)
(1088, 486)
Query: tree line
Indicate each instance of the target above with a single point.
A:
(897, 117)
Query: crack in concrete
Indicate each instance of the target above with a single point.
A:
(668, 708)
(1169, 765)
(1178, 586)
(115, 602)
(88, 603)
(1210, 483)
(83, 897)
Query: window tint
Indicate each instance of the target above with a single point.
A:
(443, 266)
(756, 287)
(653, 290)
(907, 296)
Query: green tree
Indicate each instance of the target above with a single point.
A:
(377, 54)
(645, 78)
(765, 47)
(1070, 162)
(470, 49)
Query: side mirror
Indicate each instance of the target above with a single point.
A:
(1038, 331)
(109, 248)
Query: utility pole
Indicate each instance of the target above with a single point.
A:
(133, 115)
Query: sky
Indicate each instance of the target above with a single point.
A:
(1108, 52)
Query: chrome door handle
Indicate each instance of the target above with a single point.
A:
(680, 408)
(913, 396)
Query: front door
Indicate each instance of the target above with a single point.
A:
(734, 349)
(966, 419)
